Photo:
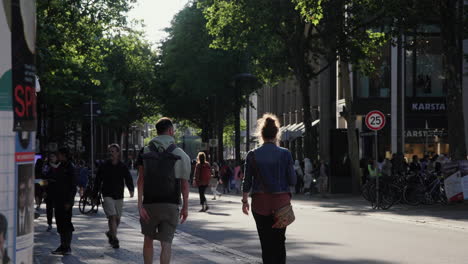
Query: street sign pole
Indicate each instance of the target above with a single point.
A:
(377, 178)
(375, 120)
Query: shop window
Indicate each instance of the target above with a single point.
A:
(376, 84)
(424, 66)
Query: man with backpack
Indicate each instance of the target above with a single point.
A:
(163, 174)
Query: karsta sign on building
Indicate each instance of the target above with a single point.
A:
(428, 107)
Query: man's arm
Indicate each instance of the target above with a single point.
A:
(129, 182)
(185, 194)
(143, 214)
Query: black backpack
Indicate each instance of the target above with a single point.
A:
(160, 184)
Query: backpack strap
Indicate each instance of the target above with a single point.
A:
(171, 148)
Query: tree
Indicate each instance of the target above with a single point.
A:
(276, 38)
(194, 79)
(85, 50)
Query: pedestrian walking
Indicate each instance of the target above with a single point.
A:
(238, 176)
(300, 177)
(322, 180)
(50, 176)
(214, 181)
(269, 175)
(202, 179)
(308, 176)
(163, 174)
(111, 179)
(225, 174)
(83, 177)
(63, 194)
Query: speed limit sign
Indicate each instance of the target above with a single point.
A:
(375, 120)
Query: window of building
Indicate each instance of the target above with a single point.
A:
(424, 66)
(378, 83)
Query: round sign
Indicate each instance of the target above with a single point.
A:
(375, 120)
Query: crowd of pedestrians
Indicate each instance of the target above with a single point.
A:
(165, 173)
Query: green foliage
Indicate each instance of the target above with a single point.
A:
(229, 133)
(258, 28)
(357, 28)
(194, 80)
(85, 50)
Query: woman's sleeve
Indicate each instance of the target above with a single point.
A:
(196, 172)
(247, 181)
(291, 173)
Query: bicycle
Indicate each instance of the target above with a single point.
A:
(425, 190)
(91, 199)
(389, 193)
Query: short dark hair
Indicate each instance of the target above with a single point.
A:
(163, 125)
(3, 225)
(65, 151)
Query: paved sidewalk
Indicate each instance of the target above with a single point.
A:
(90, 244)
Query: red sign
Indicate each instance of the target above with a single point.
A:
(24, 156)
(25, 102)
(375, 120)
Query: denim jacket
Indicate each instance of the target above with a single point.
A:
(275, 165)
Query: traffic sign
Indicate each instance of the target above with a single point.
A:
(375, 120)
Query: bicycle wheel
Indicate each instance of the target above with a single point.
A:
(86, 204)
(390, 194)
(414, 195)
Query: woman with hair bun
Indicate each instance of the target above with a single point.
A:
(269, 174)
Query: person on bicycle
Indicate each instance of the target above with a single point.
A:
(110, 179)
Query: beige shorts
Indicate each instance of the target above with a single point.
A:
(112, 207)
(163, 221)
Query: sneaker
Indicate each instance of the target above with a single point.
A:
(201, 210)
(109, 237)
(214, 198)
(115, 243)
(67, 251)
(59, 251)
(49, 228)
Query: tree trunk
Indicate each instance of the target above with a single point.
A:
(220, 130)
(127, 128)
(353, 148)
(452, 29)
(237, 107)
(310, 137)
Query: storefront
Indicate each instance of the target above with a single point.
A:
(414, 70)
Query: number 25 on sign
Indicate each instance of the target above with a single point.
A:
(375, 120)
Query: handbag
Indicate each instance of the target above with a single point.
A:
(283, 216)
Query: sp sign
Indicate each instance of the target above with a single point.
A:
(375, 120)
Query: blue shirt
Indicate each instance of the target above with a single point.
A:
(275, 166)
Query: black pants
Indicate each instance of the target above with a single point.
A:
(63, 218)
(49, 209)
(271, 239)
(201, 192)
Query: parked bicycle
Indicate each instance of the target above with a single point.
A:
(425, 188)
(389, 193)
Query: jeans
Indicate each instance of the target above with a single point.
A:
(201, 192)
(271, 239)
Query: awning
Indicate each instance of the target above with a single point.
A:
(293, 131)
